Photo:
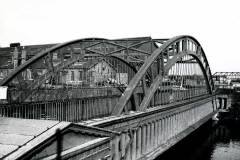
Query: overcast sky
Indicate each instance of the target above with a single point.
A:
(214, 23)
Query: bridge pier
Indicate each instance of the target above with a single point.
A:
(224, 101)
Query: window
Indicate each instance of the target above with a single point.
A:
(55, 56)
(72, 75)
(80, 75)
(66, 56)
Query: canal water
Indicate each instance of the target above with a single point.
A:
(210, 142)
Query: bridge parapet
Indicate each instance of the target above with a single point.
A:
(145, 135)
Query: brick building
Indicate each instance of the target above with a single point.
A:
(15, 55)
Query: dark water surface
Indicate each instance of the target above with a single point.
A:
(210, 142)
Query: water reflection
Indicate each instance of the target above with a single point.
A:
(210, 142)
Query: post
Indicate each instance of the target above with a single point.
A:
(59, 144)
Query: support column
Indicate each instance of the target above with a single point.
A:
(164, 131)
(155, 142)
(171, 126)
(152, 136)
(188, 119)
(128, 150)
(181, 126)
(167, 128)
(139, 143)
(144, 130)
(195, 118)
(123, 144)
(148, 137)
(115, 148)
(133, 145)
(177, 122)
(184, 119)
(160, 132)
(174, 125)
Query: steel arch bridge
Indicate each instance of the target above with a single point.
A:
(95, 77)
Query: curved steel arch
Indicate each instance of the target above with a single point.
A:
(40, 55)
(198, 54)
(159, 79)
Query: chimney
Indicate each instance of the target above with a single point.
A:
(24, 55)
(15, 57)
(12, 45)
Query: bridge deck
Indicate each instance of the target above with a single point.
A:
(15, 133)
(19, 137)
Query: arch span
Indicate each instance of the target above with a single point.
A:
(166, 56)
(159, 79)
